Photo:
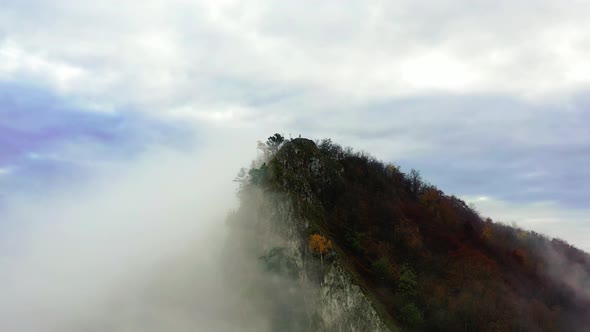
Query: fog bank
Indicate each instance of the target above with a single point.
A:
(136, 248)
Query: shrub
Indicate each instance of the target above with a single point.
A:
(411, 315)
(382, 268)
(319, 244)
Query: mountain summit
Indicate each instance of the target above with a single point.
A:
(345, 242)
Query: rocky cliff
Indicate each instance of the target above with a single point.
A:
(345, 242)
(280, 210)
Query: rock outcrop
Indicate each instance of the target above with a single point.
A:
(308, 292)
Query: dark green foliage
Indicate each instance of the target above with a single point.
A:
(408, 283)
(411, 315)
(353, 240)
(328, 148)
(383, 270)
(258, 175)
(407, 293)
(312, 229)
(274, 141)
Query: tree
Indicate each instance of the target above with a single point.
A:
(415, 180)
(320, 245)
(274, 141)
(391, 169)
(258, 175)
(487, 233)
(265, 150)
(382, 268)
(407, 293)
(411, 315)
(330, 149)
(242, 179)
(408, 284)
(431, 198)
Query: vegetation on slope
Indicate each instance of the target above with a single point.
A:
(428, 259)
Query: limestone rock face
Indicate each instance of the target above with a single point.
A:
(334, 301)
(343, 306)
(309, 293)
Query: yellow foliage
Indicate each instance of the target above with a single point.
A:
(391, 169)
(319, 244)
(432, 200)
(487, 233)
(522, 235)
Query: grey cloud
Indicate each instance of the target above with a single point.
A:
(484, 98)
(110, 252)
(183, 51)
(475, 145)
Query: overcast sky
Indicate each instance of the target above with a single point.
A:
(489, 99)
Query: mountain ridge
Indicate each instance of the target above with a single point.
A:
(424, 259)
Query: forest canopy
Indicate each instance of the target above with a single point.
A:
(425, 256)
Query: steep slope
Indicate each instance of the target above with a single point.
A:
(356, 245)
(302, 289)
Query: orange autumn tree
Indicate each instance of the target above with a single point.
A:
(319, 244)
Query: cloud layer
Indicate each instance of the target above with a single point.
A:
(488, 100)
(138, 238)
(204, 52)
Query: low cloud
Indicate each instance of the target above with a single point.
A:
(135, 248)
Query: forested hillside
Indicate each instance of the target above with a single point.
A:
(427, 260)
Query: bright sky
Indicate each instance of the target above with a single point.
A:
(490, 100)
